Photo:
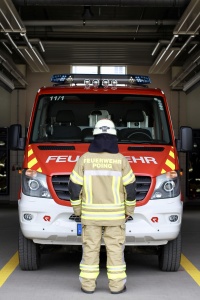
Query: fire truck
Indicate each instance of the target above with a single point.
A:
(60, 131)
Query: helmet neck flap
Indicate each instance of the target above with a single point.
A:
(104, 143)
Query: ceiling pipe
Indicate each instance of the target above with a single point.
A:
(58, 23)
(128, 3)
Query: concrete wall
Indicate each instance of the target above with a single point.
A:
(16, 107)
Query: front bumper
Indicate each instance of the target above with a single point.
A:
(50, 223)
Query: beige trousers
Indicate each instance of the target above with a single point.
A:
(114, 239)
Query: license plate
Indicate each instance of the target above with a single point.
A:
(79, 229)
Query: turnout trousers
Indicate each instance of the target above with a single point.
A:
(114, 239)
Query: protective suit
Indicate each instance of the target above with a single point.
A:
(102, 189)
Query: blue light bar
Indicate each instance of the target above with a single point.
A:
(101, 78)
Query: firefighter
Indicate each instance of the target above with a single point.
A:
(102, 193)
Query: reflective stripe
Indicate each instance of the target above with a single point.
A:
(128, 178)
(88, 189)
(115, 189)
(75, 202)
(94, 213)
(103, 206)
(116, 276)
(32, 162)
(76, 178)
(116, 268)
(122, 210)
(103, 216)
(30, 151)
(115, 183)
(102, 173)
(130, 203)
(113, 218)
(89, 267)
(89, 275)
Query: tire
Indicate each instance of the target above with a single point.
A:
(170, 255)
(29, 253)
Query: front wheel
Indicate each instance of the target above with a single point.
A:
(169, 256)
(29, 253)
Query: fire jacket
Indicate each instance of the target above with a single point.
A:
(102, 189)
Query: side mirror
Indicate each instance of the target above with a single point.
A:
(185, 142)
(16, 142)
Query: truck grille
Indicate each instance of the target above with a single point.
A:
(60, 184)
(142, 187)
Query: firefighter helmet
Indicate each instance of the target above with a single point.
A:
(105, 126)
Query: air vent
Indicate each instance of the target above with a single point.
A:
(75, 218)
(60, 184)
(156, 149)
(143, 184)
(56, 147)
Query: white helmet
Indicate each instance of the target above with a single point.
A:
(105, 126)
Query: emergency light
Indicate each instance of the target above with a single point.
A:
(97, 80)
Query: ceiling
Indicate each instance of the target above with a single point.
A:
(155, 33)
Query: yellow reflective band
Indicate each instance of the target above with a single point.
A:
(88, 189)
(89, 275)
(75, 202)
(96, 266)
(170, 164)
(89, 267)
(116, 268)
(171, 153)
(130, 202)
(115, 213)
(103, 206)
(102, 218)
(115, 189)
(102, 173)
(76, 178)
(127, 175)
(128, 178)
(116, 276)
(30, 152)
(32, 163)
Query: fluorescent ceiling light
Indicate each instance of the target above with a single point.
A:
(6, 19)
(163, 61)
(155, 49)
(185, 44)
(8, 49)
(187, 69)
(9, 17)
(41, 46)
(191, 82)
(10, 21)
(34, 59)
(30, 55)
(190, 20)
(193, 47)
(10, 67)
(6, 81)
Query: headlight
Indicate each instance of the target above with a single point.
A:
(167, 186)
(34, 184)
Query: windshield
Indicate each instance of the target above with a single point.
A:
(71, 118)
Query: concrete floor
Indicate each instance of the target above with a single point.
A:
(57, 278)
